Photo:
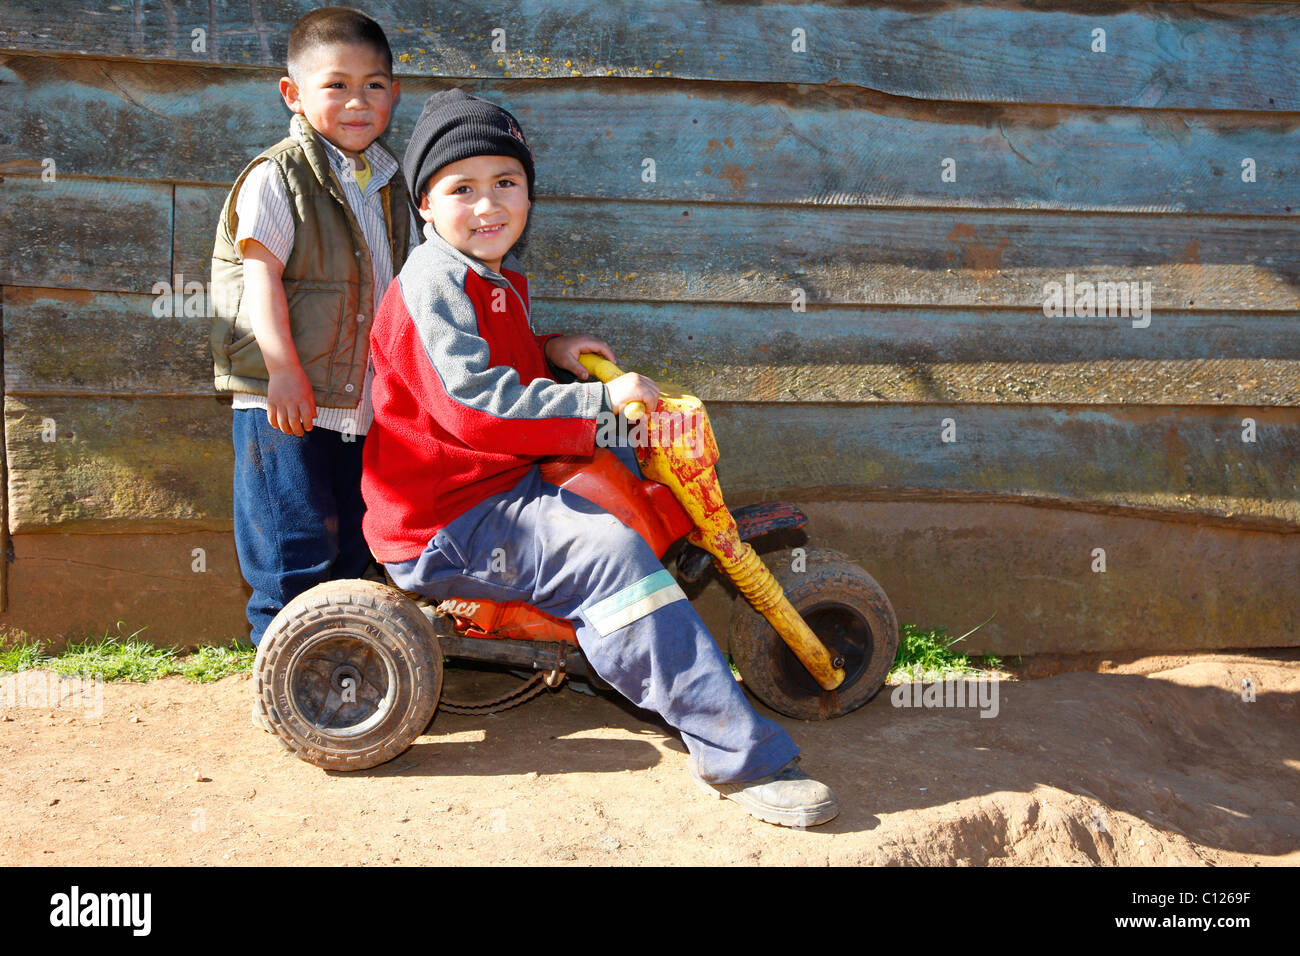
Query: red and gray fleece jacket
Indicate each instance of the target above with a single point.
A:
(463, 397)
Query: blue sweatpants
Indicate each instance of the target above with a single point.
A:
(571, 558)
(298, 510)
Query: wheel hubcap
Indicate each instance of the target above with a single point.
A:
(340, 684)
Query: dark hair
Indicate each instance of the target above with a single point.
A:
(330, 25)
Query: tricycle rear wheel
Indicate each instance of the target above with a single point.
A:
(845, 608)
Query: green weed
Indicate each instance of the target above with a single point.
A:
(116, 658)
(119, 657)
(21, 657)
(928, 656)
(209, 663)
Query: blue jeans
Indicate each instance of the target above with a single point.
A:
(556, 550)
(298, 511)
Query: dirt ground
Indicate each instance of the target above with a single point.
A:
(1149, 761)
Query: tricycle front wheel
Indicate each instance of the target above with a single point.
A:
(845, 608)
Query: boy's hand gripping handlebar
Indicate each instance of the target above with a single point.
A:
(607, 371)
(685, 465)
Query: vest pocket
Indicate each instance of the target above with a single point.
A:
(241, 343)
(322, 333)
(246, 358)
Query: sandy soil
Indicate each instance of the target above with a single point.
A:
(1149, 760)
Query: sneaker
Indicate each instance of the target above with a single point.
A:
(788, 798)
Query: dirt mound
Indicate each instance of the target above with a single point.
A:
(1047, 827)
(1142, 764)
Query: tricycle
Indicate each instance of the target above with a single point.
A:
(350, 672)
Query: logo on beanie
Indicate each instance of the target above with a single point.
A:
(515, 131)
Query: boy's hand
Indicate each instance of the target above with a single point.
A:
(563, 351)
(631, 387)
(290, 403)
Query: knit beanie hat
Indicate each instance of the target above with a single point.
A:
(456, 125)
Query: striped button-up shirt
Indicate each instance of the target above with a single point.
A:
(264, 214)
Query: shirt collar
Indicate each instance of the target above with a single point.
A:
(382, 165)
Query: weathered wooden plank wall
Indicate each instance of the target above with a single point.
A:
(1207, 56)
(1168, 159)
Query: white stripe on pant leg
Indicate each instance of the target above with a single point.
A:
(647, 595)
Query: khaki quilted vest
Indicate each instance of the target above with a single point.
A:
(327, 278)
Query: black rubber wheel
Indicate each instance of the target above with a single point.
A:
(845, 608)
(349, 674)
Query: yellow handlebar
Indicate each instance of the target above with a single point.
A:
(607, 371)
(694, 483)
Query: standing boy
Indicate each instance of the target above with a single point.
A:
(306, 246)
(465, 407)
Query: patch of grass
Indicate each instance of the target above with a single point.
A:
(116, 658)
(928, 656)
(209, 663)
(125, 658)
(21, 657)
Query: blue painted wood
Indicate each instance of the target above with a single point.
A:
(72, 342)
(96, 343)
(139, 464)
(968, 258)
(710, 142)
(1213, 56)
(777, 335)
(915, 314)
(1159, 460)
(84, 233)
(846, 354)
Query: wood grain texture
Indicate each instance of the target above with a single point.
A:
(1200, 56)
(61, 342)
(197, 210)
(952, 564)
(74, 342)
(85, 233)
(710, 142)
(775, 170)
(1184, 462)
(753, 353)
(149, 464)
(1167, 585)
(671, 251)
(73, 587)
(4, 499)
(118, 465)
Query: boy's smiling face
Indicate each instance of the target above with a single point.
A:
(346, 93)
(479, 205)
